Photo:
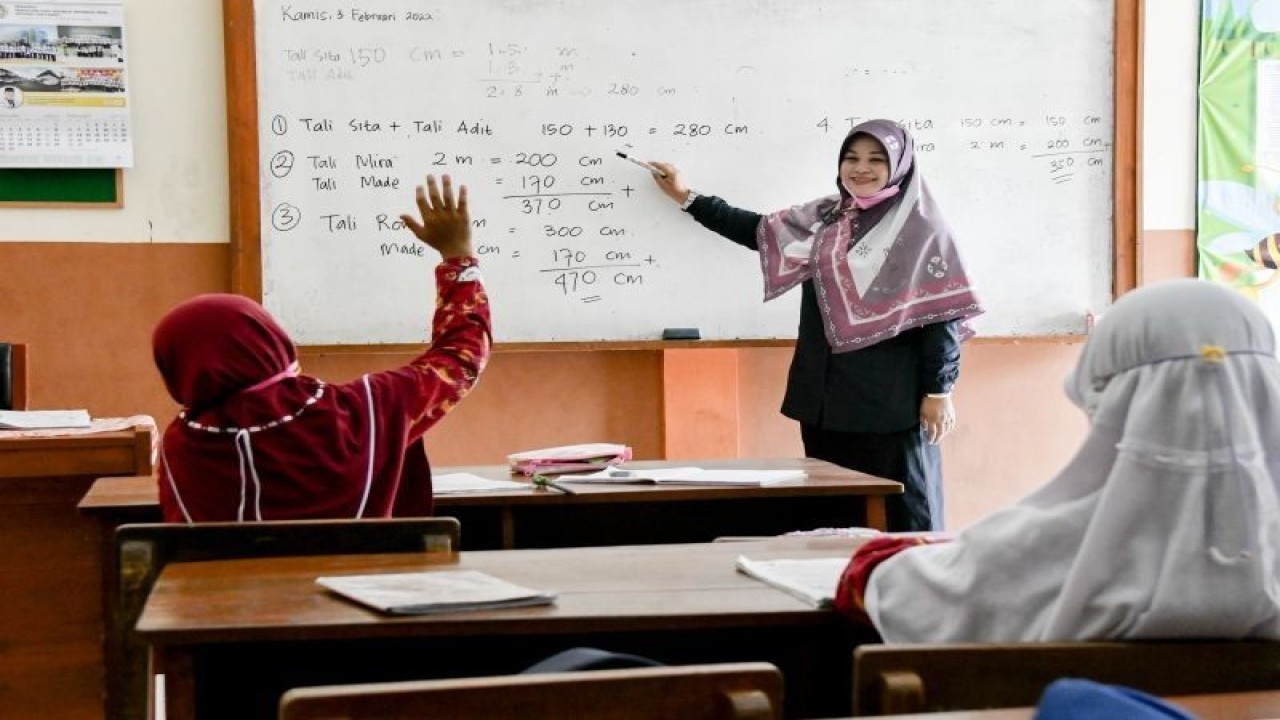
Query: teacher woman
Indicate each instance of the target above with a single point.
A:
(884, 298)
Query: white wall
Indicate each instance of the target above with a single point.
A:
(1171, 57)
(178, 190)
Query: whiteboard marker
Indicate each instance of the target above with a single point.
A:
(644, 165)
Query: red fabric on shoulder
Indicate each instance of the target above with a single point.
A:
(852, 591)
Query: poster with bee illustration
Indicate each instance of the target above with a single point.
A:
(1238, 202)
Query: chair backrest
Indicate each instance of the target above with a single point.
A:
(142, 551)
(13, 376)
(691, 692)
(897, 679)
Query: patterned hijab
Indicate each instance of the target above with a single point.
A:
(1166, 523)
(258, 441)
(904, 272)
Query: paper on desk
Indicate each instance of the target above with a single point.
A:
(454, 483)
(813, 580)
(689, 476)
(37, 419)
(435, 591)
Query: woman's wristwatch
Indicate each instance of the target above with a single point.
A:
(688, 200)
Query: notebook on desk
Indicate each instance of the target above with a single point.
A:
(437, 591)
(688, 476)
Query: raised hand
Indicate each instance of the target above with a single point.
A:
(445, 223)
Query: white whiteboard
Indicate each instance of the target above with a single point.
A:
(527, 102)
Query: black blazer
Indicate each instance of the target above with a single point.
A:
(875, 389)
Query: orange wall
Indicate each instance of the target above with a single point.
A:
(87, 310)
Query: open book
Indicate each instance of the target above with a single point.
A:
(813, 580)
(688, 476)
(36, 419)
(436, 591)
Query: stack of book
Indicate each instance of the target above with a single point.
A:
(569, 458)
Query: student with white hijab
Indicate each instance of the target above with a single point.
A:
(1165, 524)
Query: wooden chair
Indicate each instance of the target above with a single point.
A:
(13, 376)
(899, 679)
(691, 692)
(142, 550)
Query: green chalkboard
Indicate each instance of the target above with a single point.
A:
(70, 186)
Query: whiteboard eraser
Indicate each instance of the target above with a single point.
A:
(681, 334)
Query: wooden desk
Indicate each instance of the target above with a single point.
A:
(609, 514)
(1226, 706)
(231, 636)
(51, 621)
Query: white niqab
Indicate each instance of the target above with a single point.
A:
(1165, 524)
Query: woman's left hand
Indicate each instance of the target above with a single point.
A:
(937, 417)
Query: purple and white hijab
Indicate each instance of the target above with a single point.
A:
(905, 272)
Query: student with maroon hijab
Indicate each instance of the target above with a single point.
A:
(257, 440)
(883, 303)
